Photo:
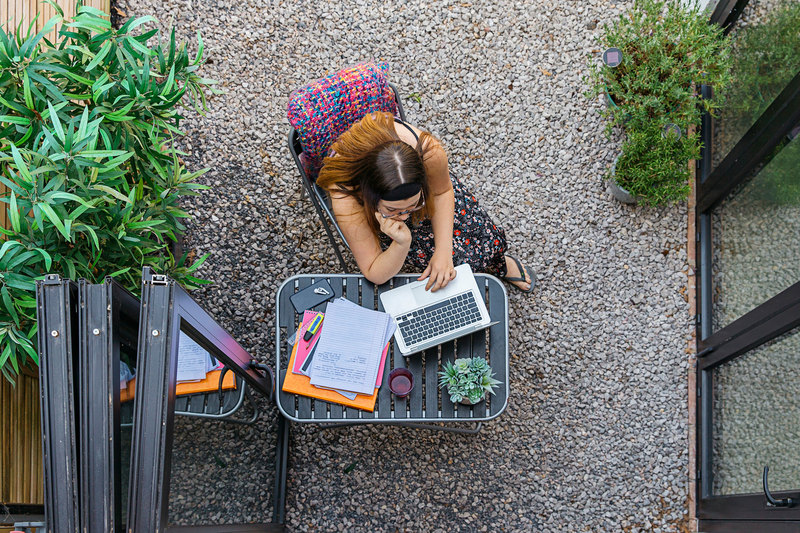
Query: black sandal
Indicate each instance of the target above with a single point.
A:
(523, 270)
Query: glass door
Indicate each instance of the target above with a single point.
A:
(748, 219)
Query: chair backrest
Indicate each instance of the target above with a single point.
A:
(322, 110)
(296, 146)
(304, 115)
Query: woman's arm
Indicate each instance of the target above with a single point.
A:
(440, 269)
(376, 265)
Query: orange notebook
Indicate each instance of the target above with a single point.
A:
(211, 383)
(299, 384)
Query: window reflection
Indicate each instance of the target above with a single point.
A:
(766, 57)
(755, 412)
(756, 233)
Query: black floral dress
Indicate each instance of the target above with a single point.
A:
(477, 240)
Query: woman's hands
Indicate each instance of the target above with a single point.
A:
(440, 271)
(395, 230)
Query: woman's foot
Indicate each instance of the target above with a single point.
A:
(517, 274)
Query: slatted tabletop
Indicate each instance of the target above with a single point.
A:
(426, 403)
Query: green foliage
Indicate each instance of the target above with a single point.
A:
(668, 52)
(87, 150)
(655, 168)
(766, 58)
(778, 183)
(468, 378)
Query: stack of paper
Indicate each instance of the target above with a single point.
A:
(194, 361)
(349, 351)
(361, 362)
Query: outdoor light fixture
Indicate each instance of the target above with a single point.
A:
(612, 57)
(672, 131)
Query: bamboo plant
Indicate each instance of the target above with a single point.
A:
(88, 126)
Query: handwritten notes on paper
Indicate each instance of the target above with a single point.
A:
(349, 349)
(194, 361)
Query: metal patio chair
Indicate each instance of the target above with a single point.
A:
(318, 196)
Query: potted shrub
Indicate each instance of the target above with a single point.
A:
(652, 167)
(663, 52)
(467, 380)
(94, 180)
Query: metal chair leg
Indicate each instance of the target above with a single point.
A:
(249, 421)
(325, 224)
(281, 468)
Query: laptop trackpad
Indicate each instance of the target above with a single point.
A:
(423, 297)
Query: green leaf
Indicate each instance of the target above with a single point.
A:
(20, 259)
(92, 234)
(26, 89)
(170, 81)
(48, 261)
(31, 43)
(18, 283)
(56, 122)
(21, 166)
(119, 272)
(30, 351)
(22, 121)
(112, 192)
(135, 23)
(133, 43)
(7, 246)
(54, 219)
(198, 263)
(106, 48)
(199, 55)
(5, 355)
(145, 224)
(13, 213)
(84, 123)
(93, 11)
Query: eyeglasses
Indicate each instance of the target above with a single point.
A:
(414, 209)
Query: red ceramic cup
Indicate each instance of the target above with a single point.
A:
(400, 382)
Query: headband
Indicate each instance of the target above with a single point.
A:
(401, 192)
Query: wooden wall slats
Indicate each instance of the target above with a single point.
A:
(12, 12)
(21, 447)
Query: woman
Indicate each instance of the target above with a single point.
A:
(395, 200)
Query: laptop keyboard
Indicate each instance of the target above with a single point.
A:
(440, 318)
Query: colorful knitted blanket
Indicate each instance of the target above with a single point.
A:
(324, 109)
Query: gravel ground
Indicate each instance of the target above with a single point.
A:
(595, 434)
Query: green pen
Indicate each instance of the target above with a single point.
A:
(312, 329)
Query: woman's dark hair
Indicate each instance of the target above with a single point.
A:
(371, 161)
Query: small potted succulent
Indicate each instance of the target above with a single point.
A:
(468, 380)
(656, 58)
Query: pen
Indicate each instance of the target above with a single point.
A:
(313, 328)
(309, 357)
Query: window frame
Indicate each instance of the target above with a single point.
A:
(56, 316)
(765, 322)
(166, 310)
(108, 313)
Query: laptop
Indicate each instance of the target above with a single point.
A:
(425, 319)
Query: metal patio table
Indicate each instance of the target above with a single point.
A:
(427, 405)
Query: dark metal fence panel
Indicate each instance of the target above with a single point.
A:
(57, 319)
(153, 410)
(108, 319)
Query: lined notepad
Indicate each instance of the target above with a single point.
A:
(349, 350)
